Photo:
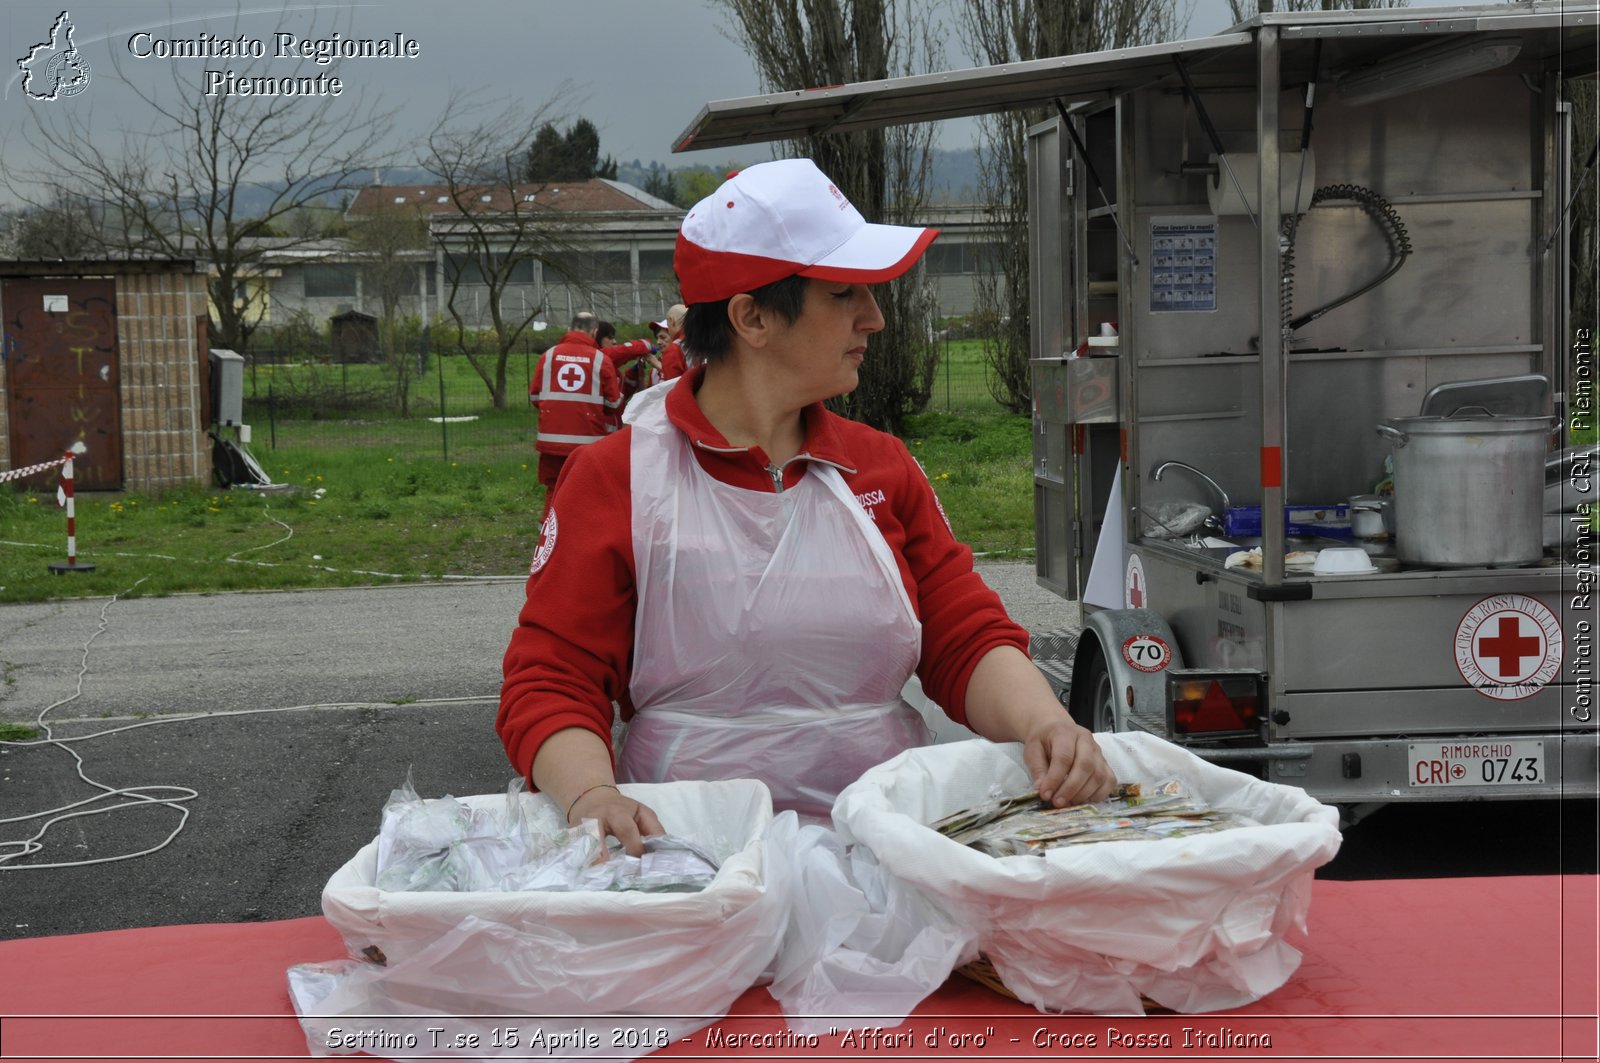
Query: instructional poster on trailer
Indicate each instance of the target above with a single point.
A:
(1183, 263)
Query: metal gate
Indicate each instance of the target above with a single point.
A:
(60, 354)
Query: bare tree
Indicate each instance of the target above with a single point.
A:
(62, 226)
(315, 221)
(388, 240)
(201, 173)
(1013, 31)
(798, 44)
(497, 227)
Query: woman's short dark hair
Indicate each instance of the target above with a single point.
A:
(707, 333)
(605, 331)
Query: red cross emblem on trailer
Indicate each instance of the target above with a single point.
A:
(570, 376)
(1508, 646)
(1134, 593)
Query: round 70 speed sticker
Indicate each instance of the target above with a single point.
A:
(1147, 653)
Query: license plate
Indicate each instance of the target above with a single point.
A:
(1477, 763)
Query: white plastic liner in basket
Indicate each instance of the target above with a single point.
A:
(543, 962)
(1193, 924)
(862, 948)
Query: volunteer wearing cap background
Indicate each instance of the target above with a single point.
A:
(754, 578)
(674, 361)
(634, 361)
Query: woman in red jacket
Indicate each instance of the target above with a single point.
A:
(750, 576)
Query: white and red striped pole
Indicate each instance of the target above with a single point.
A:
(72, 564)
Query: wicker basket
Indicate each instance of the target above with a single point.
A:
(982, 971)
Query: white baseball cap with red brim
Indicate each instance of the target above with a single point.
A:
(777, 219)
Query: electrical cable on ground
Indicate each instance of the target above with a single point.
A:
(235, 559)
(266, 511)
(141, 796)
(163, 795)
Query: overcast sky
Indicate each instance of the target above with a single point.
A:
(641, 68)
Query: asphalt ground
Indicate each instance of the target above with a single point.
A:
(310, 708)
(315, 705)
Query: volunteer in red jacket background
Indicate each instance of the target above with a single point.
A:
(674, 362)
(635, 361)
(753, 577)
(578, 393)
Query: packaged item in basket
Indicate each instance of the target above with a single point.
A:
(448, 845)
(669, 958)
(1190, 923)
(1024, 825)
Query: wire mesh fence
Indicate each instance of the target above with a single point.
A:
(442, 406)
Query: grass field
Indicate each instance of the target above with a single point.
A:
(355, 512)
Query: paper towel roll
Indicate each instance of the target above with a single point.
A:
(1223, 195)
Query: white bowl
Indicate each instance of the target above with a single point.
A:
(1343, 561)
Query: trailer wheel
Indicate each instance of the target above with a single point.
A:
(1092, 693)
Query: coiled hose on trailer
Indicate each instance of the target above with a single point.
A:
(1382, 214)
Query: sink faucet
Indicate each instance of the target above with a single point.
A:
(1155, 474)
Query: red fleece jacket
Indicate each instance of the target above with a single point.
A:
(572, 650)
(674, 363)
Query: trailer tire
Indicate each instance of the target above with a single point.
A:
(1092, 692)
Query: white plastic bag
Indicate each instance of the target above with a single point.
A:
(859, 943)
(544, 963)
(446, 844)
(1194, 923)
(522, 843)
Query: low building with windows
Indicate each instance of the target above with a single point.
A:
(613, 256)
(601, 245)
(322, 278)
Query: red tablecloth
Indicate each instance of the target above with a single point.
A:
(1454, 969)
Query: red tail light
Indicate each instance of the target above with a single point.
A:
(1214, 703)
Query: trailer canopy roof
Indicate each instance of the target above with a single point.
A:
(1559, 31)
(933, 97)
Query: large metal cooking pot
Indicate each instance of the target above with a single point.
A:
(1468, 488)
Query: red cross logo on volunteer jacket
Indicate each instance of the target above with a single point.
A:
(570, 377)
(577, 391)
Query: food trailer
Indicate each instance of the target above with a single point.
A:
(1317, 266)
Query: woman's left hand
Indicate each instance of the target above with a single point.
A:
(1008, 700)
(1066, 763)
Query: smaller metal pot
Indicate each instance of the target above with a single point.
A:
(1369, 516)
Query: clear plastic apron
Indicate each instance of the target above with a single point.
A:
(773, 633)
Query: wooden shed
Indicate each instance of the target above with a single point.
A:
(112, 353)
(355, 337)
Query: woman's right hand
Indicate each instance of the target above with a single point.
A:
(620, 816)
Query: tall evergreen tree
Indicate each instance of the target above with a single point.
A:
(658, 182)
(570, 156)
(547, 156)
